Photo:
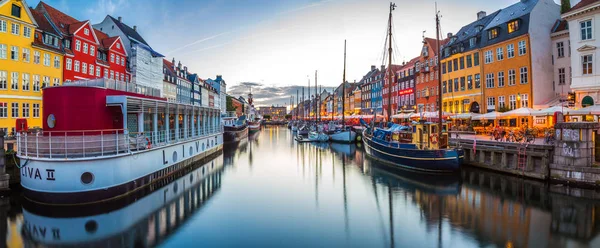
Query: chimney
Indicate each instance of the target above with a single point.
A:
(382, 67)
(373, 68)
(449, 35)
(179, 64)
(173, 62)
(480, 15)
(134, 28)
(120, 19)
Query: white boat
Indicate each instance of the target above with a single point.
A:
(103, 139)
(347, 136)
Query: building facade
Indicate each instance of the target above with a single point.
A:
(276, 112)
(405, 89)
(561, 59)
(584, 20)
(426, 76)
(30, 58)
(169, 89)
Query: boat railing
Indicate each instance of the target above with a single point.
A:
(100, 143)
(116, 85)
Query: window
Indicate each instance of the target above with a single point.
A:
(14, 53)
(27, 32)
(3, 79)
(491, 101)
(443, 68)
(36, 110)
(469, 61)
(492, 34)
(84, 67)
(513, 26)
(449, 66)
(46, 82)
(462, 83)
(85, 48)
(112, 58)
(92, 51)
(86, 31)
(477, 81)
(91, 69)
(14, 110)
(476, 59)
(97, 71)
(25, 110)
(489, 56)
(105, 73)
(46, 59)
(587, 64)
(15, 29)
(56, 82)
(462, 63)
(560, 47)
(15, 80)
(25, 83)
(76, 66)
(3, 26)
(118, 60)
(69, 64)
(77, 45)
(122, 77)
(444, 89)
(455, 64)
(26, 55)
(473, 42)
(117, 78)
(118, 45)
(561, 76)
(501, 79)
(586, 29)
(36, 57)
(56, 62)
(512, 102)
(15, 11)
(489, 80)
(2, 51)
(523, 75)
(3, 110)
(36, 83)
(510, 50)
(522, 48)
(112, 74)
(456, 85)
(499, 53)
(501, 103)
(67, 43)
(512, 77)
(524, 100)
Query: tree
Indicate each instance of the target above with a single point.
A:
(288, 117)
(565, 5)
(229, 104)
(267, 117)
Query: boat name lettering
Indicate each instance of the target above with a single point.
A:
(50, 176)
(41, 231)
(164, 158)
(34, 173)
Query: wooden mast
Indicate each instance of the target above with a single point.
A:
(344, 90)
(439, 74)
(389, 106)
(316, 101)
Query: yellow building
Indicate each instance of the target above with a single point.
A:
(30, 58)
(462, 68)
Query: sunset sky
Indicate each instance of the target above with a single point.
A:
(278, 45)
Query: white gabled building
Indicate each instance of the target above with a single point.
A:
(561, 59)
(584, 33)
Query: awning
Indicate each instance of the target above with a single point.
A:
(591, 110)
(464, 116)
(587, 101)
(550, 111)
(520, 112)
(488, 116)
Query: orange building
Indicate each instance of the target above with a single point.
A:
(427, 80)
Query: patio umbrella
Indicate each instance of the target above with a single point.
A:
(550, 111)
(591, 110)
(488, 116)
(520, 112)
(464, 116)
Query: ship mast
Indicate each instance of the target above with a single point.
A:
(439, 72)
(316, 101)
(389, 106)
(344, 91)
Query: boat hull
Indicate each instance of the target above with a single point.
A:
(253, 128)
(343, 137)
(60, 181)
(235, 134)
(431, 161)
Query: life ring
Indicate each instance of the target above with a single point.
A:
(434, 138)
(149, 146)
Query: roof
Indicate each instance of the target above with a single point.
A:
(560, 25)
(433, 43)
(129, 31)
(583, 4)
(73, 27)
(169, 67)
(43, 23)
(469, 30)
(60, 19)
(517, 10)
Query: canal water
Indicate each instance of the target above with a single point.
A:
(270, 191)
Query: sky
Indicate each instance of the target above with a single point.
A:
(275, 46)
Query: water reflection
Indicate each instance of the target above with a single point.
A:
(270, 191)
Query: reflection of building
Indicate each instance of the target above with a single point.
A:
(276, 112)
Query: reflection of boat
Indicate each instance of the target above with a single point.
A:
(347, 136)
(407, 180)
(313, 137)
(254, 126)
(346, 149)
(143, 223)
(234, 128)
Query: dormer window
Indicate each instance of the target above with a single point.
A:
(472, 41)
(513, 26)
(16, 11)
(492, 34)
(453, 39)
(86, 31)
(478, 28)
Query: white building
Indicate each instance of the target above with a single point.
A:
(584, 20)
(561, 59)
(144, 63)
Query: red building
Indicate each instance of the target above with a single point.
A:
(427, 78)
(385, 90)
(89, 53)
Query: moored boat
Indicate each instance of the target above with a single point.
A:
(254, 126)
(234, 128)
(343, 136)
(103, 139)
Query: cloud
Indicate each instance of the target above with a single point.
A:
(198, 42)
(271, 95)
(104, 7)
